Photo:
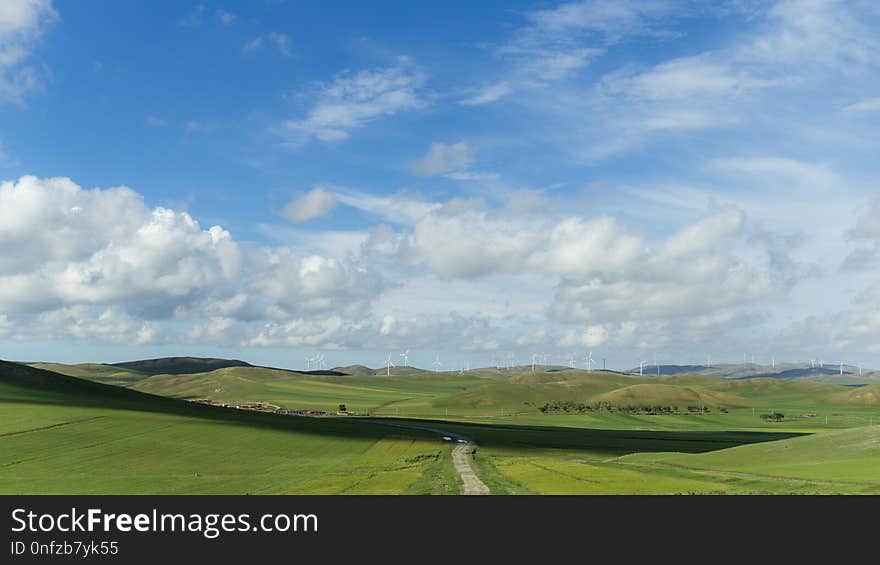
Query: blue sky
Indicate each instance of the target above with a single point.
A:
(677, 180)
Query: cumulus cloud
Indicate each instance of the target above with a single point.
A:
(444, 158)
(606, 272)
(112, 268)
(82, 253)
(313, 204)
(353, 100)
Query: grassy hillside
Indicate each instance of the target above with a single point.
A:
(838, 461)
(60, 434)
(107, 374)
(649, 394)
(298, 391)
(861, 396)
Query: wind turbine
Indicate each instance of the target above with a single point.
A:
(437, 362)
(571, 361)
(388, 364)
(534, 359)
(641, 366)
(405, 356)
(319, 359)
(773, 361)
(841, 369)
(308, 363)
(545, 357)
(589, 360)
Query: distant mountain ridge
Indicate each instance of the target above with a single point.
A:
(180, 365)
(194, 365)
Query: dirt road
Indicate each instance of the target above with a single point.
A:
(470, 482)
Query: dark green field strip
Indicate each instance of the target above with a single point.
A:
(609, 441)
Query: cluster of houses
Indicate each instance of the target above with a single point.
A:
(300, 412)
(264, 407)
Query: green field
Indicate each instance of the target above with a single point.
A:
(70, 435)
(64, 435)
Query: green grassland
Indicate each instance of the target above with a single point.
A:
(107, 374)
(64, 435)
(824, 444)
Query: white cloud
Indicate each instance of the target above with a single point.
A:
(606, 272)
(866, 231)
(488, 94)
(82, 253)
(225, 17)
(313, 204)
(686, 77)
(864, 106)
(388, 324)
(396, 208)
(830, 33)
(592, 336)
(868, 223)
(444, 158)
(21, 24)
(614, 18)
(194, 126)
(193, 18)
(156, 122)
(557, 42)
(6, 160)
(281, 42)
(801, 172)
(352, 101)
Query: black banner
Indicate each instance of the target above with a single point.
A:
(239, 529)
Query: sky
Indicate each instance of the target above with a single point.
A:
(475, 182)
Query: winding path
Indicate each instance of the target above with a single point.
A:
(470, 482)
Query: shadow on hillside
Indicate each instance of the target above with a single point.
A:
(37, 386)
(605, 440)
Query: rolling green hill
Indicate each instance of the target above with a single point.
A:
(861, 396)
(838, 461)
(650, 394)
(58, 433)
(107, 374)
(61, 434)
